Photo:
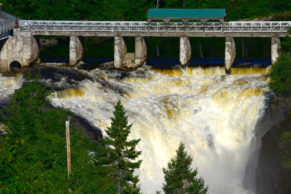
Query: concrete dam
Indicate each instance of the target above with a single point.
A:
(21, 48)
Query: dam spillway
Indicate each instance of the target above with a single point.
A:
(212, 113)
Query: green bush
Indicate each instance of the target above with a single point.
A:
(281, 75)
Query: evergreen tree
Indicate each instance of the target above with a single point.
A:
(180, 178)
(33, 154)
(117, 154)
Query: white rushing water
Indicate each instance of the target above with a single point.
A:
(212, 113)
(8, 85)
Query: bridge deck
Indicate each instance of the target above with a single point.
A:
(142, 28)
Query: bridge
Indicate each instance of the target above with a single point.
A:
(143, 28)
(21, 47)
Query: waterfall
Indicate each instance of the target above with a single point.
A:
(212, 113)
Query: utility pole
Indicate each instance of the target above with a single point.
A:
(68, 147)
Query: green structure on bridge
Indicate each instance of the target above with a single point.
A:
(186, 14)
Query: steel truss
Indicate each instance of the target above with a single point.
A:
(142, 26)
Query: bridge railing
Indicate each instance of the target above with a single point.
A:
(142, 26)
(7, 22)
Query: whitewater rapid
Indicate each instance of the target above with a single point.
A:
(8, 84)
(213, 114)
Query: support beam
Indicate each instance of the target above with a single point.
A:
(21, 48)
(120, 50)
(76, 50)
(230, 53)
(140, 51)
(185, 50)
(275, 46)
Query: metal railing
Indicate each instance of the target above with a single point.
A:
(7, 22)
(142, 26)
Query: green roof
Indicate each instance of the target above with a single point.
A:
(186, 13)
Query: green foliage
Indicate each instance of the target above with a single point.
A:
(286, 43)
(118, 155)
(179, 176)
(135, 10)
(281, 71)
(33, 155)
(281, 75)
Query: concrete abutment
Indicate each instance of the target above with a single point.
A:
(21, 48)
(230, 53)
(275, 47)
(120, 50)
(140, 51)
(76, 50)
(185, 50)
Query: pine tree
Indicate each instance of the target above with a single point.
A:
(117, 154)
(180, 178)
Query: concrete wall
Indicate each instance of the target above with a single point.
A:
(76, 50)
(275, 46)
(120, 50)
(230, 53)
(140, 51)
(22, 47)
(185, 50)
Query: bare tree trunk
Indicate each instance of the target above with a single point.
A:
(158, 50)
(201, 51)
(243, 48)
(119, 183)
(158, 4)
(246, 52)
(183, 3)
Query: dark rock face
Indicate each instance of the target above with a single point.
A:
(271, 176)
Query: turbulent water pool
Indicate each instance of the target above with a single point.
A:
(213, 114)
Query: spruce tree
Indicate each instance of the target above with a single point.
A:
(117, 155)
(179, 176)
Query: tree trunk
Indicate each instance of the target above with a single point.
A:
(183, 3)
(158, 50)
(119, 182)
(158, 4)
(243, 48)
(201, 51)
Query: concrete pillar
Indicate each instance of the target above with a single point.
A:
(120, 50)
(76, 50)
(230, 53)
(275, 46)
(140, 51)
(185, 50)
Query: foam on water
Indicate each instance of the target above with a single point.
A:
(8, 85)
(212, 113)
